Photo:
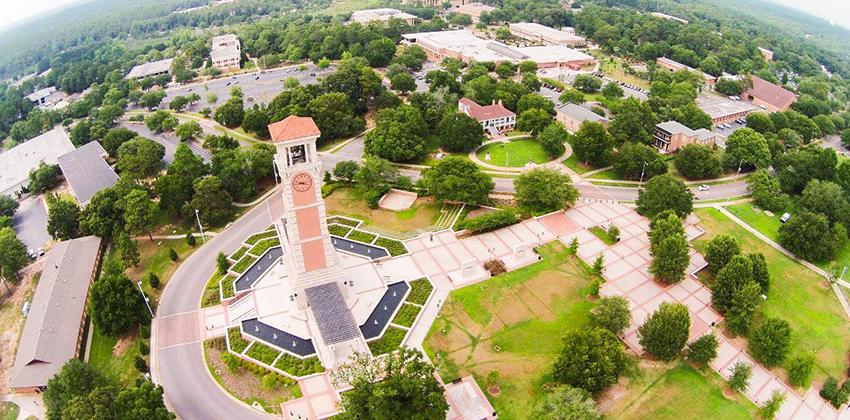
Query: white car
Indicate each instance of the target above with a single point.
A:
(703, 187)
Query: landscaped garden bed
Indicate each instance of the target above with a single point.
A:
(299, 367)
(604, 235)
(264, 245)
(227, 289)
(262, 353)
(389, 342)
(258, 236)
(420, 289)
(237, 343)
(361, 236)
(394, 247)
(343, 221)
(236, 255)
(211, 295)
(339, 230)
(243, 264)
(406, 315)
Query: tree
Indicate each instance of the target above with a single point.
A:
(143, 400)
(345, 170)
(115, 137)
(634, 121)
(160, 121)
(670, 259)
(81, 133)
(825, 198)
(152, 99)
(703, 350)
(412, 57)
(639, 161)
(662, 226)
(535, 101)
(746, 148)
(692, 117)
(458, 179)
(127, 247)
(528, 67)
(375, 174)
(745, 302)
(397, 135)
(766, 191)
(825, 124)
(592, 359)
(140, 158)
(335, 116)
(43, 178)
(63, 219)
(800, 369)
(221, 263)
(97, 404)
(587, 83)
(696, 161)
(400, 385)
(720, 250)
(506, 69)
(760, 122)
(797, 167)
(571, 96)
(403, 83)
(808, 235)
(566, 402)
(552, 140)
(665, 332)
(13, 255)
(740, 379)
(665, 192)
(769, 342)
(544, 190)
(211, 200)
(231, 113)
(611, 313)
(379, 52)
(460, 132)
(803, 125)
(188, 130)
(140, 213)
(8, 206)
(177, 104)
(534, 121)
(75, 379)
(592, 144)
(612, 90)
(728, 280)
(761, 275)
(116, 306)
(771, 407)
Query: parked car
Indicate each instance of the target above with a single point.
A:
(785, 217)
(703, 187)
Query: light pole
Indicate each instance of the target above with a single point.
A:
(198, 218)
(147, 301)
(738, 173)
(640, 183)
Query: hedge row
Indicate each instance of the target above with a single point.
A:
(262, 353)
(263, 245)
(299, 367)
(490, 221)
(243, 264)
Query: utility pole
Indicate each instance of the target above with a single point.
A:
(198, 218)
(640, 183)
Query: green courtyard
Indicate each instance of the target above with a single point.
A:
(513, 154)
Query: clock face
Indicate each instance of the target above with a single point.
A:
(302, 182)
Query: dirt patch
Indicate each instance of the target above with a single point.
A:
(612, 396)
(479, 212)
(511, 310)
(123, 344)
(12, 321)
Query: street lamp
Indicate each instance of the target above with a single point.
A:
(640, 183)
(738, 173)
(198, 218)
(147, 301)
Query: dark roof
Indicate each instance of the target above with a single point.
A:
(770, 93)
(257, 269)
(282, 339)
(86, 171)
(380, 316)
(336, 324)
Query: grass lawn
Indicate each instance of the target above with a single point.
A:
(154, 257)
(603, 235)
(680, 392)
(9, 410)
(517, 153)
(349, 202)
(797, 294)
(114, 362)
(513, 324)
(579, 167)
(755, 217)
(608, 174)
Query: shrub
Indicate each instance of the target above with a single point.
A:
(769, 343)
(144, 348)
(495, 267)
(832, 393)
(611, 313)
(190, 239)
(221, 263)
(406, 315)
(153, 280)
(665, 333)
(770, 407)
(141, 364)
(145, 331)
(420, 289)
(703, 350)
(739, 381)
(361, 236)
(799, 369)
(338, 230)
(394, 247)
(490, 221)
(172, 254)
(389, 343)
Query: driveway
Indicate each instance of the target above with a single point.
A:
(30, 222)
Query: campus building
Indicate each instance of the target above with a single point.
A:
(17, 162)
(381, 15)
(226, 53)
(53, 331)
(674, 66)
(494, 118)
(465, 46)
(572, 115)
(671, 136)
(474, 10)
(722, 109)
(87, 172)
(150, 69)
(768, 96)
(545, 35)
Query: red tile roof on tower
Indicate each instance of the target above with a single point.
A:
(293, 127)
(771, 93)
(488, 112)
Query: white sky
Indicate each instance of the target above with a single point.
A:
(17, 10)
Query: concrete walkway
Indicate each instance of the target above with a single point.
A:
(30, 404)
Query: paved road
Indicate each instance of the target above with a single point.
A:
(168, 140)
(30, 222)
(257, 87)
(189, 388)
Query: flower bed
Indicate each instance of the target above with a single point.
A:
(390, 342)
(237, 343)
(227, 289)
(419, 291)
(339, 230)
(263, 245)
(395, 247)
(343, 221)
(238, 254)
(299, 367)
(262, 353)
(243, 264)
(360, 236)
(211, 295)
(406, 315)
(258, 236)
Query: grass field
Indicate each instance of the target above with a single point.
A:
(797, 294)
(579, 167)
(349, 202)
(154, 257)
(517, 152)
(680, 392)
(115, 363)
(513, 324)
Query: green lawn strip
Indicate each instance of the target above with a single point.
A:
(238, 254)
(237, 343)
(406, 315)
(338, 230)
(343, 221)
(119, 368)
(361, 236)
(797, 294)
(262, 353)
(389, 342)
(9, 410)
(516, 153)
(420, 289)
(243, 263)
(755, 217)
(262, 235)
(608, 174)
(264, 245)
(603, 235)
(578, 167)
(299, 367)
(681, 392)
(211, 295)
(394, 247)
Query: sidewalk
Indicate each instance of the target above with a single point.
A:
(30, 404)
